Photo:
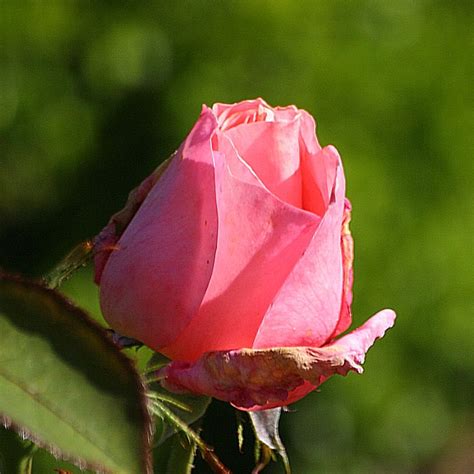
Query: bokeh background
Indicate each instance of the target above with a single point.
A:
(93, 95)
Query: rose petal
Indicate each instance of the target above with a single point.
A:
(319, 172)
(260, 238)
(261, 379)
(253, 110)
(271, 149)
(246, 111)
(105, 242)
(308, 133)
(347, 246)
(267, 139)
(152, 295)
(318, 167)
(306, 310)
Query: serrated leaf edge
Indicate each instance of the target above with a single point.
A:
(71, 308)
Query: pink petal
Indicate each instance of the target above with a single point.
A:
(246, 111)
(319, 172)
(106, 242)
(261, 379)
(308, 133)
(152, 295)
(260, 239)
(271, 149)
(254, 110)
(306, 310)
(355, 344)
(318, 167)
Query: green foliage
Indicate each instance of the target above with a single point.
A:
(15, 453)
(64, 385)
(163, 412)
(178, 419)
(175, 455)
(187, 408)
(92, 98)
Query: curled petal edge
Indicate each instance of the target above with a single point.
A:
(347, 249)
(250, 379)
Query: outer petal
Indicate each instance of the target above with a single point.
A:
(260, 238)
(308, 133)
(152, 295)
(306, 310)
(262, 379)
(106, 242)
(347, 247)
(317, 167)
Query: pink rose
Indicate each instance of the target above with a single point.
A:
(240, 245)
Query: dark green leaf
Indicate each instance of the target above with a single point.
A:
(66, 386)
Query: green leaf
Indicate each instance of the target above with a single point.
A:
(265, 424)
(66, 386)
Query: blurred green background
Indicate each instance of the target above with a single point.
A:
(94, 94)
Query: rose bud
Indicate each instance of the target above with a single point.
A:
(234, 259)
